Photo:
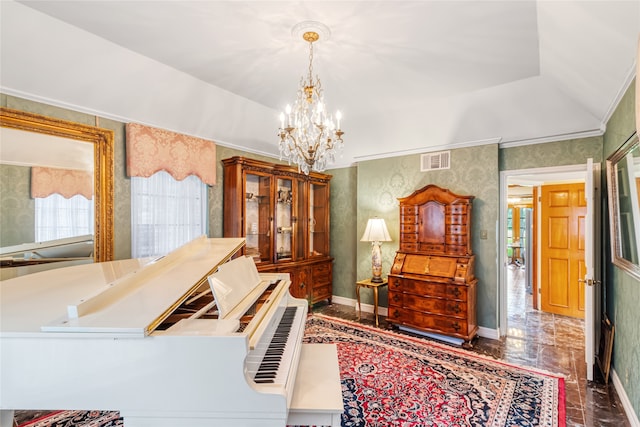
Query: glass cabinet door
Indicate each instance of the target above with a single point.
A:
(318, 220)
(258, 217)
(299, 220)
(284, 219)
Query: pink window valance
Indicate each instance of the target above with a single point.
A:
(150, 150)
(66, 182)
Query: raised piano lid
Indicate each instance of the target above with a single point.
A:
(78, 246)
(132, 305)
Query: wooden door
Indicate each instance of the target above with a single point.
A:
(562, 249)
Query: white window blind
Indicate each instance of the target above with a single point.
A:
(58, 218)
(166, 213)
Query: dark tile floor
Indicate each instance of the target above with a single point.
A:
(545, 341)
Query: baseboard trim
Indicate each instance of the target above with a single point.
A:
(343, 301)
(626, 403)
(492, 334)
(366, 308)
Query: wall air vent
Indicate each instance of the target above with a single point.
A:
(435, 161)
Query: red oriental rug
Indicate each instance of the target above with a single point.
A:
(391, 379)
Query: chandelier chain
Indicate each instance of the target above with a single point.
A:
(310, 63)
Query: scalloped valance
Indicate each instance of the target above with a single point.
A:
(150, 150)
(66, 182)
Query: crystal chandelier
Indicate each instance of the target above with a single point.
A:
(309, 137)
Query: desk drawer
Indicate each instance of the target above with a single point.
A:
(431, 289)
(434, 322)
(451, 308)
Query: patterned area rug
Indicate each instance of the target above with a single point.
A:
(389, 379)
(77, 418)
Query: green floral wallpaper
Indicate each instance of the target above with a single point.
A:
(561, 153)
(17, 210)
(344, 239)
(622, 292)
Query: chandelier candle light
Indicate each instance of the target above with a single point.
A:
(376, 233)
(309, 136)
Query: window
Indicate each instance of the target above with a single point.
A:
(58, 218)
(166, 213)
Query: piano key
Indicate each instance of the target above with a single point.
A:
(273, 366)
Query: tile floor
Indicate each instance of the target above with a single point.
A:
(542, 340)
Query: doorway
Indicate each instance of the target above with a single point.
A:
(524, 268)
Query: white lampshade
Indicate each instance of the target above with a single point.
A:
(376, 231)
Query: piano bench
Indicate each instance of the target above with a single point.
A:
(317, 393)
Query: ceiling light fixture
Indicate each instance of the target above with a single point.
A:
(309, 137)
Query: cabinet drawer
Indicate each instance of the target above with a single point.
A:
(394, 283)
(430, 247)
(409, 210)
(455, 219)
(433, 289)
(456, 229)
(408, 237)
(435, 322)
(395, 299)
(322, 292)
(435, 305)
(408, 247)
(458, 250)
(456, 209)
(408, 228)
(409, 219)
(455, 239)
(321, 273)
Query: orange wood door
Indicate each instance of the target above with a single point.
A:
(562, 249)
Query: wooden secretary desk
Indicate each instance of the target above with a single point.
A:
(432, 286)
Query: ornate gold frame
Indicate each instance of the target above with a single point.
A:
(617, 258)
(102, 139)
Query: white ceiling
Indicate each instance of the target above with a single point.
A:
(409, 76)
(22, 148)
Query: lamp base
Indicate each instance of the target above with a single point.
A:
(375, 279)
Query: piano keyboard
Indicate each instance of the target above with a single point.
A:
(276, 356)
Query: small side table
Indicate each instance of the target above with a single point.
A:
(375, 286)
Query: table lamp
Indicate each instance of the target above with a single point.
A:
(376, 233)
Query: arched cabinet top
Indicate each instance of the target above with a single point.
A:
(434, 193)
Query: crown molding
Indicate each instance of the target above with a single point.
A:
(435, 148)
(553, 138)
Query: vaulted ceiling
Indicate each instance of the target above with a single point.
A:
(409, 76)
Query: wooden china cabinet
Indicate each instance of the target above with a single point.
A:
(432, 286)
(284, 216)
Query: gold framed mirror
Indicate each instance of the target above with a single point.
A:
(623, 182)
(102, 142)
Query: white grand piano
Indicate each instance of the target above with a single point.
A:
(190, 339)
